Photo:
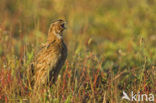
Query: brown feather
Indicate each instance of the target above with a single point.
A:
(49, 59)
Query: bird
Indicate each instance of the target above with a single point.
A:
(50, 58)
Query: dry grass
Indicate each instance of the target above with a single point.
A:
(111, 48)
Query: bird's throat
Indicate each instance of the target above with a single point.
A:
(59, 36)
(53, 36)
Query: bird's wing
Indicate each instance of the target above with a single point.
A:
(45, 61)
(30, 69)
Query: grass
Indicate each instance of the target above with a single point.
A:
(111, 49)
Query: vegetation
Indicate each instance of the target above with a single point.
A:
(111, 49)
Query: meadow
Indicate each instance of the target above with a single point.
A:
(111, 49)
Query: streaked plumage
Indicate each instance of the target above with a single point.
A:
(50, 58)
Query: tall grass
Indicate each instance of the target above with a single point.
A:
(111, 49)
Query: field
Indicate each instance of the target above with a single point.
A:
(111, 49)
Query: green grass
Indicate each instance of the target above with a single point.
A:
(111, 49)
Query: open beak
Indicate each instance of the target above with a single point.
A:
(64, 25)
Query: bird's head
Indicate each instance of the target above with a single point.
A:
(57, 28)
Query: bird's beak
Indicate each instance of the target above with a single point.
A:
(65, 25)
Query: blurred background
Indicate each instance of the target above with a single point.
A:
(118, 35)
(98, 25)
